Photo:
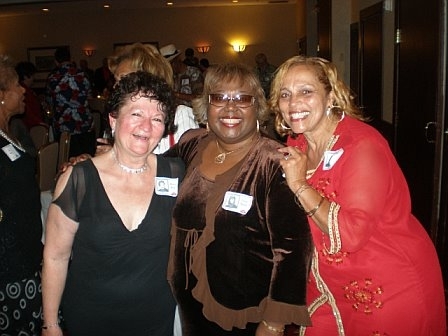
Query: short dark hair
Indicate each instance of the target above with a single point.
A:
(144, 84)
(204, 62)
(25, 69)
(62, 54)
(189, 52)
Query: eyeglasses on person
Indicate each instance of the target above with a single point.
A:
(222, 99)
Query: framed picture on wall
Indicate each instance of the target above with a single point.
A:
(118, 46)
(43, 59)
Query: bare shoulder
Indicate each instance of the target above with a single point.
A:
(62, 181)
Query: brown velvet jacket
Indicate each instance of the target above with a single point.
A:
(245, 267)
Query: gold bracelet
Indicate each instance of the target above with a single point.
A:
(51, 325)
(299, 191)
(273, 329)
(313, 210)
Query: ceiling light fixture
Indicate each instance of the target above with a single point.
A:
(203, 49)
(89, 52)
(239, 47)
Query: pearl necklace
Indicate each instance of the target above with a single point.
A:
(128, 169)
(7, 138)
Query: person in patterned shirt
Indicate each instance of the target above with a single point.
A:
(67, 91)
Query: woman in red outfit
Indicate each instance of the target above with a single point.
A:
(375, 270)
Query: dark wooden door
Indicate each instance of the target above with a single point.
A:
(416, 87)
(441, 234)
(439, 227)
(371, 67)
(324, 28)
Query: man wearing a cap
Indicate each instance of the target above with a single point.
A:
(188, 80)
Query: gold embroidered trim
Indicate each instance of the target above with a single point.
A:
(333, 229)
(325, 297)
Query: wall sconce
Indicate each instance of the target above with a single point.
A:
(203, 49)
(89, 52)
(239, 47)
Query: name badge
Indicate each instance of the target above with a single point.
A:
(166, 186)
(11, 152)
(237, 202)
(331, 157)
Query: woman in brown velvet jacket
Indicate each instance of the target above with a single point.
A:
(240, 248)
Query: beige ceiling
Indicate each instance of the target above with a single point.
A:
(24, 7)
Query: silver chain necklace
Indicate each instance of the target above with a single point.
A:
(7, 138)
(128, 169)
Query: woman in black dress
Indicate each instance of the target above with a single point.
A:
(20, 222)
(111, 223)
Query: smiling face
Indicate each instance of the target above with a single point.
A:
(230, 123)
(139, 126)
(303, 99)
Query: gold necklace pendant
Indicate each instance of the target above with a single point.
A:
(221, 157)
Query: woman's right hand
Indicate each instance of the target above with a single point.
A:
(100, 149)
(73, 161)
(294, 165)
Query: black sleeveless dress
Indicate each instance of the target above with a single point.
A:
(116, 283)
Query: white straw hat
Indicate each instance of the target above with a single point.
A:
(169, 52)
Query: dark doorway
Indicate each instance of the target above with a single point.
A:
(324, 28)
(416, 88)
(371, 67)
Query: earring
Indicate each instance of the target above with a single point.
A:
(206, 127)
(112, 132)
(284, 127)
(328, 112)
(258, 126)
(2, 102)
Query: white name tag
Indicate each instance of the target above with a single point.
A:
(166, 186)
(11, 152)
(331, 157)
(237, 202)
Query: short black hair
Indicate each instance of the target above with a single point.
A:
(25, 69)
(204, 62)
(144, 84)
(189, 52)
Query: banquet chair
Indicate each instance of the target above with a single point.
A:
(97, 122)
(39, 135)
(47, 165)
(64, 148)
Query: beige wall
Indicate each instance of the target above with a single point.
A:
(272, 29)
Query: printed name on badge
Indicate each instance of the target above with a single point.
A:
(11, 152)
(237, 202)
(166, 186)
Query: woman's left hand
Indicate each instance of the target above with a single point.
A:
(294, 167)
